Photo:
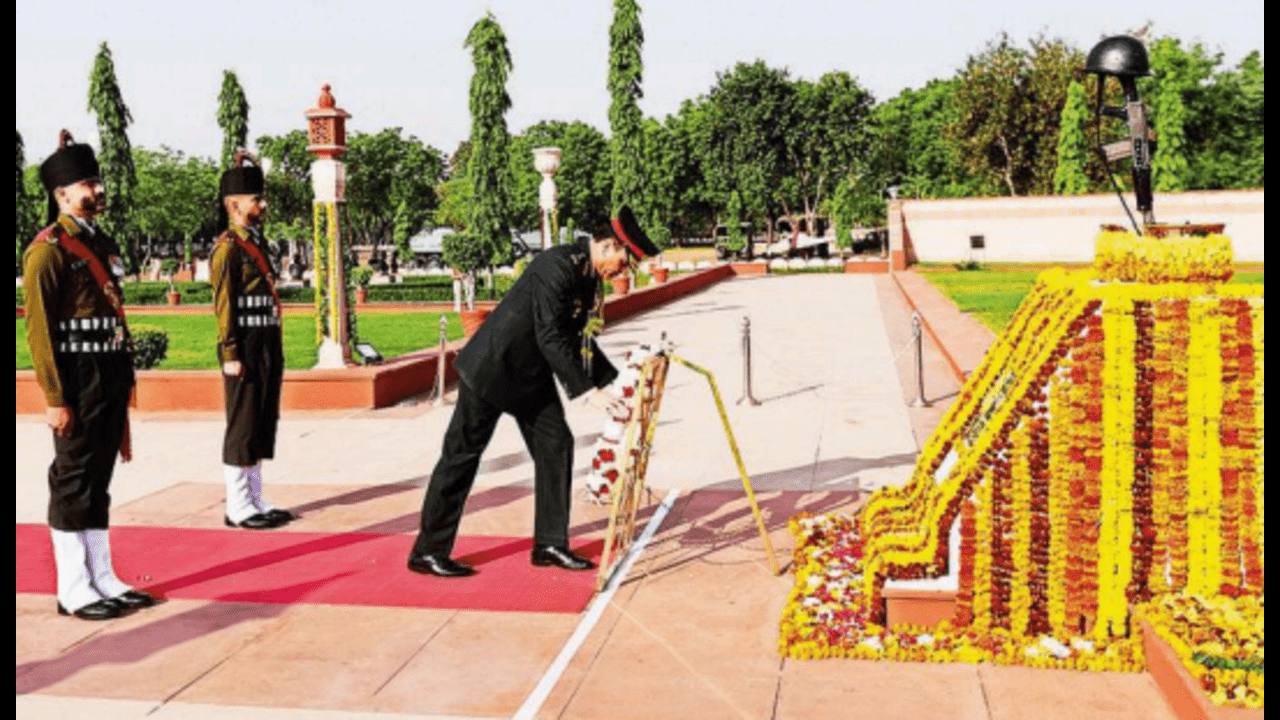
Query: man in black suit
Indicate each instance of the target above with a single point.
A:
(509, 366)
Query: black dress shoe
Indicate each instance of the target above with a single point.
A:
(280, 517)
(544, 555)
(439, 565)
(101, 610)
(134, 600)
(260, 521)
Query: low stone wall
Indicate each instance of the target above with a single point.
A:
(1058, 228)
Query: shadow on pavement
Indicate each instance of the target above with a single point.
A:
(136, 644)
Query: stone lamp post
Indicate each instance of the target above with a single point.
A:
(327, 140)
(547, 161)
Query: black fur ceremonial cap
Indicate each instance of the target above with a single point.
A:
(242, 179)
(70, 163)
(626, 229)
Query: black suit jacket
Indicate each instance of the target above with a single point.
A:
(535, 334)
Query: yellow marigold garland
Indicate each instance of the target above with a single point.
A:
(1121, 256)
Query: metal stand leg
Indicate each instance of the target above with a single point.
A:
(917, 335)
(440, 364)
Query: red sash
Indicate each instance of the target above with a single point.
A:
(77, 248)
(108, 288)
(263, 267)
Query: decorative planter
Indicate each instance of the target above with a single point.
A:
(472, 320)
(621, 285)
(175, 297)
(362, 295)
(660, 274)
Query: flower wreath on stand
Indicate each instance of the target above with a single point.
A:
(607, 452)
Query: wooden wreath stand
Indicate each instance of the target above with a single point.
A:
(634, 461)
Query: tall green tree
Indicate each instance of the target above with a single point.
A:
(233, 117)
(1070, 177)
(744, 137)
(674, 170)
(387, 171)
(912, 149)
(116, 154)
(583, 182)
(176, 196)
(829, 139)
(626, 75)
(1222, 115)
(487, 167)
(289, 192)
(1007, 109)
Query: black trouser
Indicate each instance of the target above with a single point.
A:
(253, 398)
(550, 443)
(95, 388)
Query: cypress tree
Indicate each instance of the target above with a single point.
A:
(625, 119)
(1069, 177)
(1170, 170)
(116, 154)
(20, 206)
(233, 117)
(487, 167)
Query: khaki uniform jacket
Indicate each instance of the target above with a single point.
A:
(56, 287)
(234, 274)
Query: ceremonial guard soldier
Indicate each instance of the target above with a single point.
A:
(508, 366)
(250, 349)
(83, 360)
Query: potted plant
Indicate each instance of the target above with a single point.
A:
(466, 255)
(660, 272)
(360, 277)
(621, 284)
(167, 268)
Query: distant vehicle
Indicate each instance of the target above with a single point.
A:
(428, 246)
(795, 239)
(874, 242)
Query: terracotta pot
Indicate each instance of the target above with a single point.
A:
(472, 320)
(175, 297)
(621, 285)
(660, 274)
(362, 295)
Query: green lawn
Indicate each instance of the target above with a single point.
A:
(191, 337)
(992, 296)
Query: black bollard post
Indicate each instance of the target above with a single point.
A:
(746, 364)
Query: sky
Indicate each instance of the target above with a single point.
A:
(401, 63)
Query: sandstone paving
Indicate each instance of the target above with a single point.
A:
(692, 633)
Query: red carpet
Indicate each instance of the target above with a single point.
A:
(323, 568)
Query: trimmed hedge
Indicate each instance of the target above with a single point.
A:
(150, 346)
